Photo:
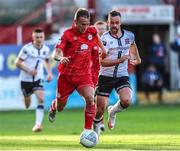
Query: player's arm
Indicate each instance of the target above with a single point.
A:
(20, 64)
(102, 48)
(134, 55)
(58, 56)
(108, 62)
(48, 69)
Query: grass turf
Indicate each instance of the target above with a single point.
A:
(138, 128)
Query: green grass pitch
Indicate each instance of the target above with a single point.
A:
(138, 128)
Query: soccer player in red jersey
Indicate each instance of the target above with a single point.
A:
(101, 27)
(74, 53)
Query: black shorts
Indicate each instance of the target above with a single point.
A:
(28, 88)
(107, 84)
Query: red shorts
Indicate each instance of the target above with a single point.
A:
(67, 84)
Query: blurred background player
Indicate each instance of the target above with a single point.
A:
(121, 47)
(30, 61)
(101, 27)
(74, 53)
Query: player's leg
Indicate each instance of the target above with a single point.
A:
(125, 97)
(89, 112)
(123, 89)
(64, 89)
(104, 88)
(27, 91)
(39, 110)
(101, 102)
(27, 101)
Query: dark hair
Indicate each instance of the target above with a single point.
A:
(38, 30)
(114, 13)
(81, 12)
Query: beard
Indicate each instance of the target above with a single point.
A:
(114, 30)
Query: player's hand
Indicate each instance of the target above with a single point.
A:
(124, 58)
(65, 60)
(33, 72)
(133, 61)
(49, 77)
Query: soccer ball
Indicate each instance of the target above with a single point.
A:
(88, 138)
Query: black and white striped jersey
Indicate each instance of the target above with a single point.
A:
(33, 58)
(116, 48)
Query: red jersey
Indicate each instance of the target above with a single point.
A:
(95, 64)
(78, 48)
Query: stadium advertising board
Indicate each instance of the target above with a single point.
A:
(143, 14)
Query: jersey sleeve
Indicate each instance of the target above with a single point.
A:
(92, 30)
(48, 53)
(62, 42)
(132, 38)
(105, 42)
(23, 54)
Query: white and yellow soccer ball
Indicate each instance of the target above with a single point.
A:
(88, 138)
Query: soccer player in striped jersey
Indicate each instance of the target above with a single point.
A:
(30, 61)
(121, 49)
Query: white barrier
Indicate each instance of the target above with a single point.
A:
(11, 96)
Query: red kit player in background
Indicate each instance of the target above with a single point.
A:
(101, 27)
(74, 53)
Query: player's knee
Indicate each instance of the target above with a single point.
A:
(89, 99)
(41, 99)
(125, 103)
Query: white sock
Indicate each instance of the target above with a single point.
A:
(39, 114)
(116, 108)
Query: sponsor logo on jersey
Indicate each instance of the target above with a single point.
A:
(84, 46)
(104, 43)
(118, 48)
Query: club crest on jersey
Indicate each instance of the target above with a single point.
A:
(126, 41)
(84, 46)
(44, 53)
(104, 43)
(90, 37)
